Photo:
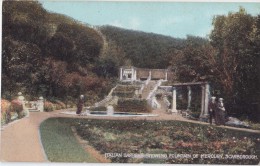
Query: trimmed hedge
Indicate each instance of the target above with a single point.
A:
(126, 91)
(132, 105)
(101, 108)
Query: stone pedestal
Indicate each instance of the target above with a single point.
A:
(110, 110)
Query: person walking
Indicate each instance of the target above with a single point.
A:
(212, 109)
(80, 104)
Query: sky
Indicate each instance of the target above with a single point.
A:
(176, 19)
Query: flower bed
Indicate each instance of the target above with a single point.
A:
(5, 111)
(170, 138)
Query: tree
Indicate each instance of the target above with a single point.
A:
(236, 55)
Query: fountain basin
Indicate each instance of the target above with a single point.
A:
(115, 114)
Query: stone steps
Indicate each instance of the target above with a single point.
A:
(147, 89)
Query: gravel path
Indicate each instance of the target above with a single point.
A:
(20, 140)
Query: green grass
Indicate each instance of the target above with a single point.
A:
(60, 144)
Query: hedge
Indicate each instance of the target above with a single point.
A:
(132, 105)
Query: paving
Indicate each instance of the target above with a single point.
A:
(20, 140)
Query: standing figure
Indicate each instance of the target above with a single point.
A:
(220, 113)
(212, 109)
(80, 104)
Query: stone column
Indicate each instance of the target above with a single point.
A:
(135, 74)
(206, 100)
(132, 78)
(166, 75)
(121, 74)
(150, 74)
(189, 97)
(41, 104)
(174, 101)
(202, 100)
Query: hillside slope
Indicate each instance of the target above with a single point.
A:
(146, 50)
(48, 54)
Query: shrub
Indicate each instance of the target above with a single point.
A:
(17, 106)
(5, 111)
(127, 91)
(48, 106)
(61, 104)
(101, 108)
(132, 105)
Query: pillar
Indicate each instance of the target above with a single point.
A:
(135, 74)
(206, 100)
(166, 75)
(202, 100)
(121, 74)
(189, 97)
(41, 104)
(150, 74)
(174, 101)
(132, 78)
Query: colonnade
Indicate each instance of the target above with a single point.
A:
(205, 94)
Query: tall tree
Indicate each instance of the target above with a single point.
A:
(236, 57)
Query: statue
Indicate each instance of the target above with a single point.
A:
(220, 113)
(212, 109)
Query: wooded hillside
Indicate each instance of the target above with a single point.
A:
(48, 54)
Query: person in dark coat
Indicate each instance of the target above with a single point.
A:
(220, 113)
(80, 104)
(212, 109)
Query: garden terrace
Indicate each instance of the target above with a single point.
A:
(125, 91)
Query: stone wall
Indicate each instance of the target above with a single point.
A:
(142, 73)
(158, 74)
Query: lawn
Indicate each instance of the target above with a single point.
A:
(126, 140)
(59, 143)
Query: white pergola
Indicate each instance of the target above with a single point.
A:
(205, 94)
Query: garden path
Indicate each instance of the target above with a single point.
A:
(21, 142)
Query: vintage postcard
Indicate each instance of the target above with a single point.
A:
(130, 82)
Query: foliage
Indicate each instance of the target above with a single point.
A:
(125, 91)
(168, 137)
(101, 108)
(132, 105)
(48, 106)
(228, 61)
(17, 107)
(234, 38)
(5, 111)
(145, 50)
(48, 54)
(59, 143)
